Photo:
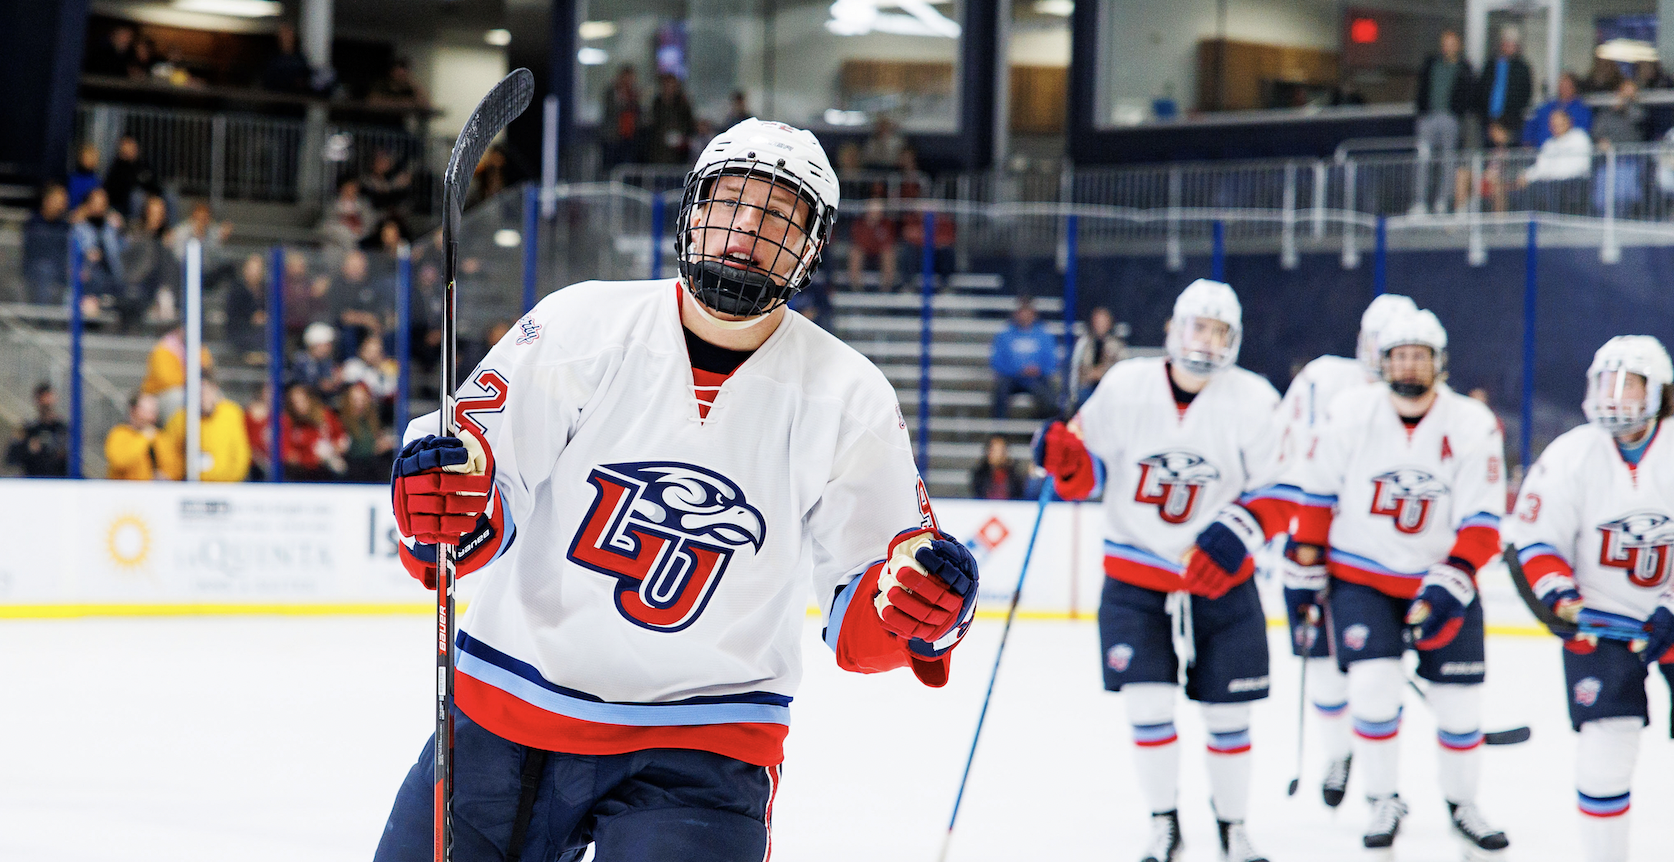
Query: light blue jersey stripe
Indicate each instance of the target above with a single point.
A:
(630, 714)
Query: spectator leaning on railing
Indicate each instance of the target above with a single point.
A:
(41, 448)
(223, 441)
(130, 447)
(1538, 128)
(1622, 121)
(1446, 98)
(46, 247)
(1023, 357)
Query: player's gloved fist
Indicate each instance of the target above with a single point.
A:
(927, 591)
(440, 487)
(1056, 448)
(1437, 613)
(1304, 578)
(1659, 633)
(1224, 555)
(1561, 596)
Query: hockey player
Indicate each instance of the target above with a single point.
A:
(1594, 532)
(1179, 438)
(656, 477)
(1303, 413)
(1413, 471)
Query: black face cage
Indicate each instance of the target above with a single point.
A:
(754, 288)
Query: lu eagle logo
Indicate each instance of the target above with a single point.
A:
(1640, 544)
(1173, 481)
(666, 531)
(1407, 495)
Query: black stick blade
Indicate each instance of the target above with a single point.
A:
(503, 104)
(1509, 736)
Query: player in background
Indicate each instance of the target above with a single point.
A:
(656, 478)
(1402, 490)
(1303, 413)
(1594, 531)
(1181, 439)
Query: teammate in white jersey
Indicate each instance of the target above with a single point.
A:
(1404, 485)
(656, 478)
(1594, 532)
(1181, 440)
(1303, 412)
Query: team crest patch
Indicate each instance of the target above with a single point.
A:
(1586, 691)
(1119, 657)
(1172, 481)
(527, 331)
(1354, 637)
(666, 531)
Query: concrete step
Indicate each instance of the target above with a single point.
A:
(969, 328)
(974, 426)
(943, 303)
(945, 398)
(939, 352)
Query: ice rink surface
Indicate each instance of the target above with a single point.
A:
(284, 738)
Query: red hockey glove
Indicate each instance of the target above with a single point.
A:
(1438, 612)
(1659, 633)
(1224, 554)
(1058, 450)
(440, 486)
(927, 591)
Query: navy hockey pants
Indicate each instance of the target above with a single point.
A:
(660, 805)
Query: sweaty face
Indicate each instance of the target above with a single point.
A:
(751, 224)
(1411, 365)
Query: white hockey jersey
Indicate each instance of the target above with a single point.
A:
(1311, 392)
(1585, 511)
(655, 592)
(1167, 471)
(1404, 499)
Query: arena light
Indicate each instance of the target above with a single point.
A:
(859, 17)
(507, 238)
(590, 30)
(497, 37)
(1627, 51)
(1363, 31)
(1058, 8)
(233, 8)
(835, 117)
(592, 57)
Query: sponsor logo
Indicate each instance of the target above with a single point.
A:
(1173, 481)
(1463, 668)
(666, 531)
(1407, 495)
(1639, 544)
(1119, 657)
(1586, 691)
(527, 331)
(1354, 637)
(1254, 683)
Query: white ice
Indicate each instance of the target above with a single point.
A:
(284, 738)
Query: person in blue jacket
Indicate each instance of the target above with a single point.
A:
(1024, 357)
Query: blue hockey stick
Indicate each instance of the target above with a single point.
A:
(1011, 614)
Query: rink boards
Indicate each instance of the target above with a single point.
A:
(132, 548)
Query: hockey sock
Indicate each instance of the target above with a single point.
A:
(1458, 710)
(1156, 748)
(1375, 689)
(1604, 760)
(1328, 689)
(1228, 725)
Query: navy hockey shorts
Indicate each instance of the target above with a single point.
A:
(1368, 624)
(660, 805)
(1608, 682)
(1229, 635)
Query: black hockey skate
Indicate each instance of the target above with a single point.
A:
(1336, 781)
(1480, 840)
(1165, 843)
(1387, 812)
(1235, 843)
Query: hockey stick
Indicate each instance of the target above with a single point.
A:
(1302, 702)
(492, 114)
(1557, 625)
(1011, 614)
(1509, 736)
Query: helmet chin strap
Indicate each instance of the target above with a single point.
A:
(733, 325)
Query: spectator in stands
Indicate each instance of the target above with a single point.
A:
(997, 477)
(98, 233)
(361, 306)
(472, 350)
(46, 247)
(130, 446)
(386, 240)
(223, 440)
(1559, 176)
(371, 448)
(1604, 77)
(1649, 75)
(110, 57)
(1496, 181)
(1622, 121)
(1446, 94)
(1506, 85)
(347, 219)
(1095, 351)
(915, 185)
(491, 177)
(620, 128)
(165, 370)
(1023, 357)
(397, 87)
(130, 179)
(287, 70)
(42, 447)
(371, 369)
(312, 438)
(386, 185)
(738, 110)
(247, 311)
(873, 235)
(306, 299)
(148, 268)
(882, 149)
(144, 60)
(1537, 129)
(200, 225)
(671, 124)
(259, 431)
(316, 364)
(848, 159)
(85, 178)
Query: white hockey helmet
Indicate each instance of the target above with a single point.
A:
(1207, 328)
(1382, 308)
(784, 156)
(1420, 327)
(1609, 404)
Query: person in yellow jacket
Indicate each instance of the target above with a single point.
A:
(224, 442)
(128, 446)
(165, 370)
